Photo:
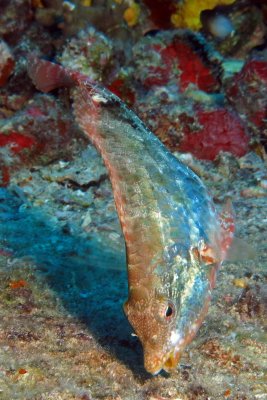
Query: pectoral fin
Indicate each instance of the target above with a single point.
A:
(240, 250)
(227, 223)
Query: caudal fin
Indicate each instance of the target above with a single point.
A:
(48, 76)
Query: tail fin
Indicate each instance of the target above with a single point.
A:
(48, 76)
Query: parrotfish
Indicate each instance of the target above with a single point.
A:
(175, 240)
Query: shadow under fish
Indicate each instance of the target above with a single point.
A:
(89, 279)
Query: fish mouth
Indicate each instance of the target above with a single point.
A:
(168, 364)
(172, 361)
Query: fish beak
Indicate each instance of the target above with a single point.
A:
(154, 365)
(172, 361)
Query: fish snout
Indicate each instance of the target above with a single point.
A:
(154, 363)
(172, 361)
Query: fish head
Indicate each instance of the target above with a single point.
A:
(153, 318)
(166, 312)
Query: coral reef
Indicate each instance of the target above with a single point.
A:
(41, 132)
(248, 94)
(219, 130)
(190, 112)
(170, 58)
(90, 52)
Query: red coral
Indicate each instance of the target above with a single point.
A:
(248, 92)
(221, 130)
(4, 176)
(42, 131)
(179, 62)
(255, 69)
(193, 70)
(161, 71)
(119, 88)
(16, 141)
(18, 144)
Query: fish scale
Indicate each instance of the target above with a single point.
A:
(174, 240)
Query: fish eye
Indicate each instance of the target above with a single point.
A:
(169, 311)
(165, 311)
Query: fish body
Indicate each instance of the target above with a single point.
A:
(175, 240)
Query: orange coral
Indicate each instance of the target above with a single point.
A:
(131, 14)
